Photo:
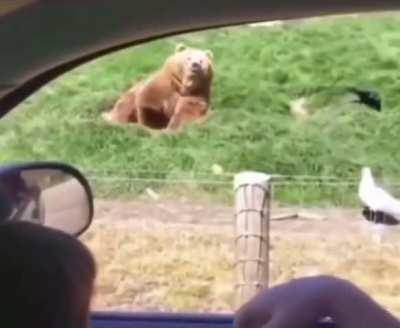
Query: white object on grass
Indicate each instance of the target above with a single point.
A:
(152, 194)
(299, 108)
(217, 169)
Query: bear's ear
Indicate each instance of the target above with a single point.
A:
(210, 54)
(180, 47)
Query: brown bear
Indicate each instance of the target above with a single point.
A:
(177, 94)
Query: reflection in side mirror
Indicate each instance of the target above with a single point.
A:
(54, 195)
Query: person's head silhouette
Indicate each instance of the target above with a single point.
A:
(46, 278)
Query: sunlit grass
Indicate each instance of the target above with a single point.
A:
(258, 72)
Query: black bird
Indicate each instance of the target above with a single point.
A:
(369, 98)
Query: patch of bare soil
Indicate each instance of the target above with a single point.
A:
(179, 254)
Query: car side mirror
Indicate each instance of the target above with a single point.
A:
(55, 195)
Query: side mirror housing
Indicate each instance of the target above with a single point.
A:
(52, 194)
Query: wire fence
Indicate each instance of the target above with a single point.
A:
(303, 190)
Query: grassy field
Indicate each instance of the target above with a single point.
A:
(258, 72)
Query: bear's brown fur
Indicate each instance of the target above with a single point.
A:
(178, 94)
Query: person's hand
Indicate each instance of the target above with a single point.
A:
(301, 303)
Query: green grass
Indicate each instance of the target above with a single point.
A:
(258, 72)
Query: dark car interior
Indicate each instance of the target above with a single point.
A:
(42, 39)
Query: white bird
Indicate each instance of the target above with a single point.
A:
(380, 207)
(375, 198)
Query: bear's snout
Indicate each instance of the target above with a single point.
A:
(196, 66)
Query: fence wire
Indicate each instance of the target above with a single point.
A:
(298, 190)
(221, 179)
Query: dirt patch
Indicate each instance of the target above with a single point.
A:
(179, 254)
(182, 211)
